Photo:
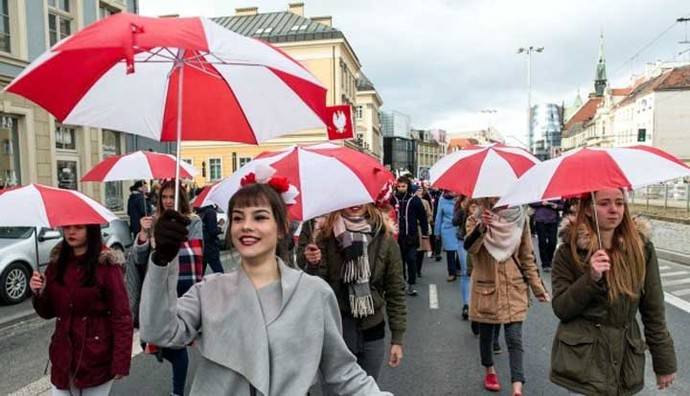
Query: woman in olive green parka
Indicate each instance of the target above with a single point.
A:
(598, 348)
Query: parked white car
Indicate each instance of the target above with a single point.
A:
(18, 254)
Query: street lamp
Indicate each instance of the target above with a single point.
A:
(528, 51)
(489, 114)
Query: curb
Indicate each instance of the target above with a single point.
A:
(9, 321)
(676, 257)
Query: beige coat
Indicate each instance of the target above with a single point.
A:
(499, 290)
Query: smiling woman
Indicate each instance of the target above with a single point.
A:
(260, 320)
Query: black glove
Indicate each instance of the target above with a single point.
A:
(169, 232)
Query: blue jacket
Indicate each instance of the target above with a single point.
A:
(443, 225)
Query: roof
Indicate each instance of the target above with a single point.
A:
(461, 143)
(364, 84)
(675, 79)
(585, 113)
(279, 27)
(621, 91)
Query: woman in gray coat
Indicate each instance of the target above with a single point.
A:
(263, 329)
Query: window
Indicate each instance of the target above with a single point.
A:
(59, 20)
(642, 135)
(10, 174)
(5, 26)
(65, 137)
(68, 174)
(105, 11)
(114, 199)
(244, 160)
(215, 169)
(358, 112)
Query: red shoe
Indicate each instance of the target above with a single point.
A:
(491, 383)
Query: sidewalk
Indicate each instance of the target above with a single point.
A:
(11, 315)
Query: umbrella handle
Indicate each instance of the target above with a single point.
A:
(180, 83)
(596, 220)
(38, 259)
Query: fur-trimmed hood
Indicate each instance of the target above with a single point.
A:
(644, 227)
(107, 257)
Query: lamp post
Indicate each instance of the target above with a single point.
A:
(489, 115)
(528, 51)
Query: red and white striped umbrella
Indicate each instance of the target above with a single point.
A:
(124, 73)
(592, 169)
(36, 205)
(202, 200)
(482, 170)
(140, 165)
(328, 178)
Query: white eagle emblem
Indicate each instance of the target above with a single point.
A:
(339, 121)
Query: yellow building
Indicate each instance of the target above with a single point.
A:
(315, 43)
(368, 134)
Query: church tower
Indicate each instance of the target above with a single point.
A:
(600, 81)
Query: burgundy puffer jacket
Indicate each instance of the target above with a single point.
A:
(92, 341)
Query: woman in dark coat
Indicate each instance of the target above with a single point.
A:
(83, 287)
(598, 292)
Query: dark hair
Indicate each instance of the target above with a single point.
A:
(94, 245)
(404, 179)
(184, 206)
(257, 194)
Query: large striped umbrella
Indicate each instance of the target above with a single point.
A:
(591, 169)
(482, 170)
(36, 205)
(327, 178)
(139, 165)
(173, 79)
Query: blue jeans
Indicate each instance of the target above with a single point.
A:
(464, 279)
(180, 361)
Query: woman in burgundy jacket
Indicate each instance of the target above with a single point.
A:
(83, 288)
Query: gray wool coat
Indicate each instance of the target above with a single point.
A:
(222, 314)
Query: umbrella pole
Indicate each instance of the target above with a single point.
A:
(38, 259)
(180, 81)
(596, 220)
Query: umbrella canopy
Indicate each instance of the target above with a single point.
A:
(481, 170)
(202, 200)
(592, 169)
(139, 165)
(124, 73)
(328, 178)
(37, 205)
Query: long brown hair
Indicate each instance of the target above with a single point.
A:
(380, 222)
(184, 206)
(627, 273)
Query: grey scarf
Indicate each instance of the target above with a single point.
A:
(353, 236)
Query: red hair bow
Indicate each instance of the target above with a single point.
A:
(279, 183)
(249, 178)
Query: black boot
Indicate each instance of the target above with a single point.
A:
(465, 312)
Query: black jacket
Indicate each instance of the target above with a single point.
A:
(411, 214)
(137, 207)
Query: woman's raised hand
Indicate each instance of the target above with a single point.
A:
(312, 253)
(600, 263)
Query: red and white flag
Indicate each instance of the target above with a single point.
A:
(339, 122)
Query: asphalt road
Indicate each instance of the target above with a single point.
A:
(441, 353)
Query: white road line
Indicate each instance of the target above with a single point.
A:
(664, 267)
(433, 296)
(677, 302)
(681, 292)
(42, 386)
(674, 273)
(676, 282)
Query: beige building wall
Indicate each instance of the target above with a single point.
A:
(369, 124)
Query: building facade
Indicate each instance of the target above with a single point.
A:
(395, 123)
(368, 135)
(318, 46)
(400, 155)
(34, 147)
(545, 129)
(431, 146)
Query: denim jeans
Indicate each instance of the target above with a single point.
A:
(464, 278)
(409, 256)
(180, 361)
(513, 335)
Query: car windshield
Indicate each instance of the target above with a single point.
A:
(15, 232)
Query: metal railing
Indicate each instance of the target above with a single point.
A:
(673, 194)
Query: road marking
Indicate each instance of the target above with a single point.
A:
(433, 296)
(676, 282)
(681, 292)
(664, 267)
(42, 386)
(674, 273)
(677, 302)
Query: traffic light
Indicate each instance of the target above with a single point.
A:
(642, 135)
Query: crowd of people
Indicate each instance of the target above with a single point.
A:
(317, 311)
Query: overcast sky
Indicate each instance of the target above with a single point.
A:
(443, 61)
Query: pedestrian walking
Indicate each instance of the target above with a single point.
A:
(83, 288)
(411, 218)
(546, 219)
(424, 243)
(265, 328)
(503, 263)
(447, 232)
(459, 222)
(211, 230)
(137, 206)
(358, 257)
(602, 278)
(190, 269)
(435, 195)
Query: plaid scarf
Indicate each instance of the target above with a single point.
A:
(353, 236)
(191, 260)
